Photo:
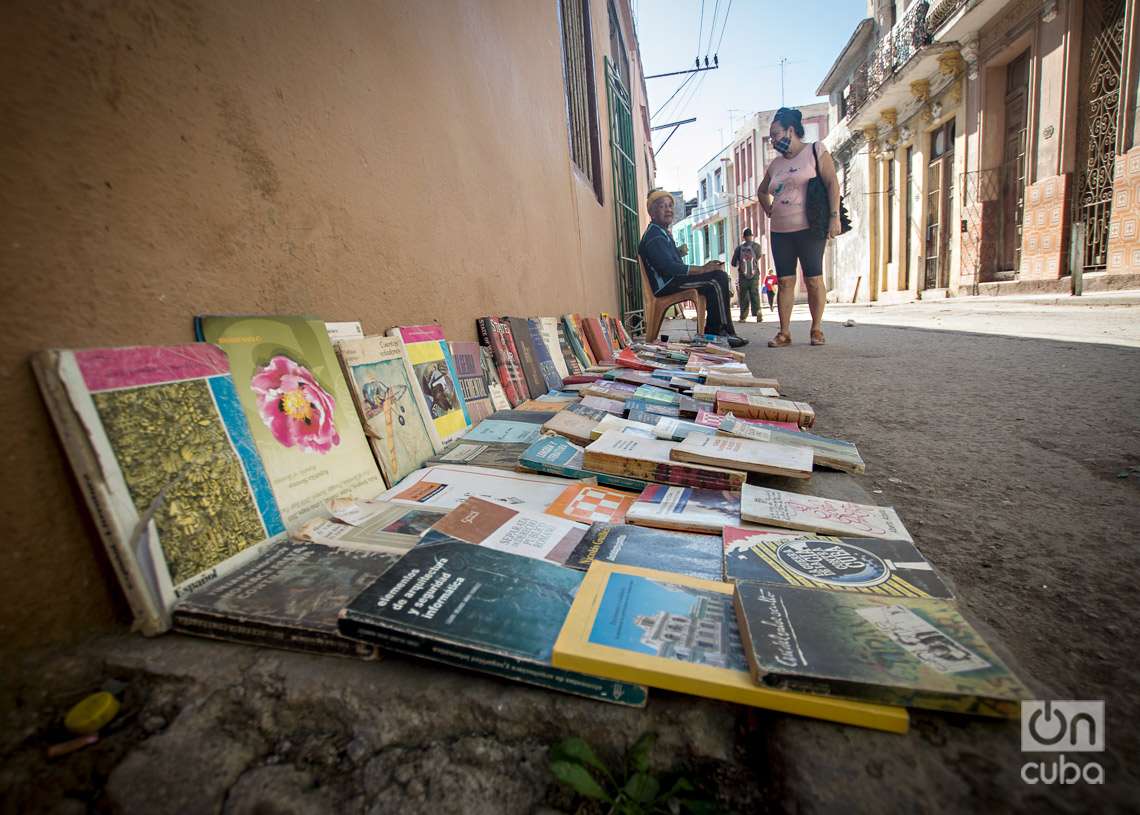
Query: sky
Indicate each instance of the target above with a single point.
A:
(809, 33)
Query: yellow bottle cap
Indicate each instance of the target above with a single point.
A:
(92, 714)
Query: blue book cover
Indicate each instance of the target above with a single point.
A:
(542, 355)
(556, 455)
(478, 608)
(646, 406)
(665, 550)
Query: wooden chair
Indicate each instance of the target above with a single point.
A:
(655, 307)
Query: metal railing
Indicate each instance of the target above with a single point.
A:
(908, 36)
(941, 12)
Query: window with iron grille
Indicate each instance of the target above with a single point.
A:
(581, 96)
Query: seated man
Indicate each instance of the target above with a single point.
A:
(668, 273)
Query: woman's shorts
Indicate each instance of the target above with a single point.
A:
(802, 246)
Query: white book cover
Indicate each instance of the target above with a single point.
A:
(519, 532)
(449, 485)
(746, 454)
(611, 422)
(548, 329)
(813, 514)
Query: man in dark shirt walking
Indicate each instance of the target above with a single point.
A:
(668, 273)
(746, 260)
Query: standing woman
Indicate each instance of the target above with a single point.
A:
(783, 197)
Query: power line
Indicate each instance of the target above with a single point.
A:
(670, 99)
(712, 28)
(700, 29)
(723, 27)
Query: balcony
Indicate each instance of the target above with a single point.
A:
(908, 36)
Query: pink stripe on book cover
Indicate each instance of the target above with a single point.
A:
(420, 333)
(110, 368)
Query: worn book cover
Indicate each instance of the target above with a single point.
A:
(495, 390)
(833, 454)
(576, 341)
(827, 515)
(707, 393)
(716, 420)
(679, 633)
(917, 652)
(497, 455)
(671, 428)
(392, 408)
(596, 338)
(472, 385)
(650, 460)
(747, 406)
(741, 379)
(744, 454)
(299, 409)
(528, 359)
(560, 456)
(446, 486)
(480, 609)
(575, 422)
(548, 328)
(609, 390)
(685, 508)
(520, 532)
(612, 406)
(589, 504)
(574, 366)
(612, 422)
(893, 568)
(164, 455)
(288, 597)
(373, 525)
(645, 406)
(495, 333)
(434, 371)
(545, 362)
(681, 552)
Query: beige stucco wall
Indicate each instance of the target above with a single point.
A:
(384, 161)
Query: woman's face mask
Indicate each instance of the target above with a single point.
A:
(783, 145)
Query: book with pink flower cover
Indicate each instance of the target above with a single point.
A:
(299, 408)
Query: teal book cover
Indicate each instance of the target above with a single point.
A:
(556, 455)
(478, 608)
(662, 396)
(647, 406)
(664, 550)
(917, 652)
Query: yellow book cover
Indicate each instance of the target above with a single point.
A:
(679, 633)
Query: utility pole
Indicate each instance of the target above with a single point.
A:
(783, 61)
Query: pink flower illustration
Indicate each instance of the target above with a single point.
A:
(297, 411)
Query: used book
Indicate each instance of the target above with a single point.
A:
(575, 422)
(887, 567)
(548, 329)
(495, 334)
(543, 358)
(555, 455)
(460, 605)
(715, 420)
(392, 408)
(497, 455)
(528, 358)
(791, 510)
(472, 385)
(495, 390)
(435, 373)
(621, 425)
(497, 526)
(446, 486)
(917, 652)
(685, 508)
(375, 525)
(747, 406)
(679, 633)
(680, 552)
(745, 454)
(650, 460)
(299, 410)
(589, 504)
(831, 453)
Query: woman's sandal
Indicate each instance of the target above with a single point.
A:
(817, 338)
(780, 340)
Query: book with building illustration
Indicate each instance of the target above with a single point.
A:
(495, 334)
(556, 455)
(391, 406)
(520, 532)
(373, 525)
(446, 486)
(650, 460)
(887, 567)
(477, 608)
(287, 597)
(472, 384)
(763, 457)
(575, 422)
(749, 406)
(791, 510)
(833, 454)
(299, 409)
(590, 504)
(679, 633)
(669, 551)
(435, 374)
(917, 652)
(166, 461)
(546, 365)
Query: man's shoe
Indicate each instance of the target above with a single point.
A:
(736, 342)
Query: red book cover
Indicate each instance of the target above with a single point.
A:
(597, 340)
(496, 335)
(580, 332)
(627, 359)
(581, 379)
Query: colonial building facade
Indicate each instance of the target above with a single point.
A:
(987, 147)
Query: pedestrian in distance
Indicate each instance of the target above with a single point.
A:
(746, 261)
(668, 272)
(770, 283)
(783, 195)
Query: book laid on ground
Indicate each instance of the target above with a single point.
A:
(496, 455)
(917, 652)
(479, 609)
(679, 633)
(716, 420)
(645, 406)
(831, 453)
(375, 525)
(744, 454)
(542, 357)
(612, 406)
(608, 389)
(436, 376)
(548, 328)
(166, 461)
(744, 380)
(651, 460)
(611, 422)
(391, 406)
(791, 510)
(685, 508)
(575, 422)
(887, 567)
(674, 429)
(495, 390)
(524, 344)
(495, 333)
(351, 330)
(669, 551)
(707, 393)
(472, 385)
(446, 486)
(497, 526)
(590, 504)
(556, 455)
(299, 409)
(747, 406)
(495, 442)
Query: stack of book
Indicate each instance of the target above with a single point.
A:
(556, 504)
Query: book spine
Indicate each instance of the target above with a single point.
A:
(572, 364)
(251, 632)
(490, 337)
(575, 341)
(580, 331)
(496, 664)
